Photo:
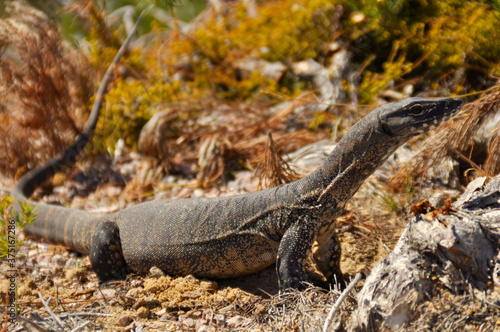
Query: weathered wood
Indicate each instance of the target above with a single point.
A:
(453, 244)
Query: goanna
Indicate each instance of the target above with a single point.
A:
(234, 236)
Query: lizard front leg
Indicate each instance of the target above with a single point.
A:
(295, 246)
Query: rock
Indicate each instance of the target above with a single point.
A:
(167, 317)
(105, 292)
(220, 320)
(208, 314)
(238, 321)
(30, 283)
(156, 272)
(188, 322)
(231, 295)
(209, 286)
(79, 273)
(23, 290)
(135, 292)
(136, 283)
(271, 70)
(143, 312)
(205, 328)
(455, 244)
(124, 321)
(59, 260)
(147, 302)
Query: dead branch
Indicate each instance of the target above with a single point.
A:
(455, 246)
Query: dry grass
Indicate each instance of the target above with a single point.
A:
(455, 140)
(179, 136)
(275, 170)
(44, 90)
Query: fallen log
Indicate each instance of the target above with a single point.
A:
(456, 245)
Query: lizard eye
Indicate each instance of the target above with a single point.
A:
(416, 110)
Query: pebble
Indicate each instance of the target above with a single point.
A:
(143, 312)
(198, 193)
(188, 322)
(220, 320)
(205, 328)
(124, 321)
(156, 272)
(167, 317)
(105, 292)
(209, 285)
(135, 292)
(147, 302)
(79, 273)
(136, 283)
(237, 321)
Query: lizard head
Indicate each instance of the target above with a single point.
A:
(416, 115)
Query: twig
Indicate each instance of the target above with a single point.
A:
(51, 313)
(91, 314)
(339, 301)
(81, 326)
(26, 320)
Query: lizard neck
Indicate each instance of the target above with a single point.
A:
(358, 154)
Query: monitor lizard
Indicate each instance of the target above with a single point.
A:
(233, 236)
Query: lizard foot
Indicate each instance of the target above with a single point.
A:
(106, 254)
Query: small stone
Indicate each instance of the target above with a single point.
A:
(80, 274)
(43, 259)
(161, 312)
(226, 309)
(57, 269)
(155, 272)
(231, 295)
(136, 283)
(167, 317)
(205, 328)
(220, 320)
(23, 290)
(191, 295)
(208, 314)
(134, 327)
(124, 321)
(30, 283)
(209, 286)
(188, 322)
(235, 321)
(135, 292)
(106, 293)
(199, 322)
(59, 260)
(197, 314)
(143, 312)
(147, 302)
(197, 193)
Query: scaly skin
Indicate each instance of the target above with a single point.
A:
(234, 236)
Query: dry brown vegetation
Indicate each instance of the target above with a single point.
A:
(45, 90)
(471, 139)
(205, 124)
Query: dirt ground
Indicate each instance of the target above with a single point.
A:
(156, 301)
(58, 291)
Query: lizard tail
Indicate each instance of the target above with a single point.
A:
(59, 225)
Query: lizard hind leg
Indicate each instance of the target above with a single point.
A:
(106, 254)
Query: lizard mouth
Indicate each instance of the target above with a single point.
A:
(387, 129)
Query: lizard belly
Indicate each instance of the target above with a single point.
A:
(227, 257)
